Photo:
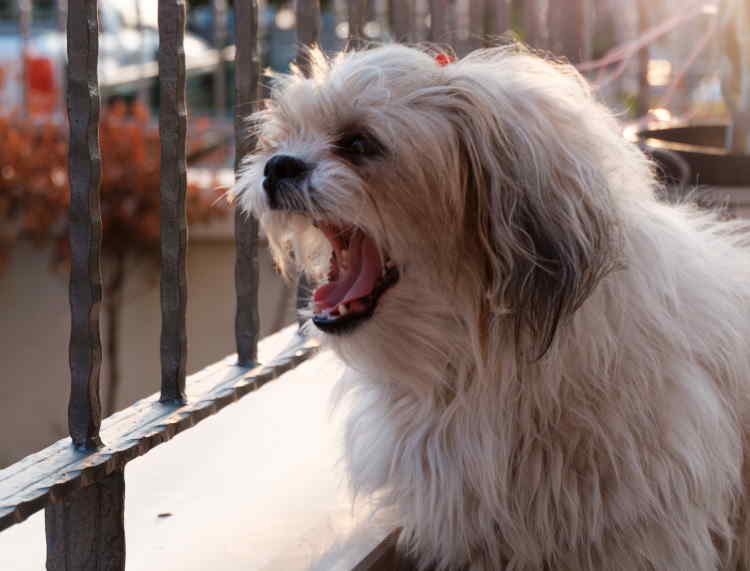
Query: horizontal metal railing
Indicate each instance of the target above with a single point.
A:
(56, 473)
(80, 481)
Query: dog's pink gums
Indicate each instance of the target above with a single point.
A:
(355, 274)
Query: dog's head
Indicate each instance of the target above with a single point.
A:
(481, 189)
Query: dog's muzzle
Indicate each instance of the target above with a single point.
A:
(284, 175)
(358, 276)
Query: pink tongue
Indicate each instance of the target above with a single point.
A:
(358, 281)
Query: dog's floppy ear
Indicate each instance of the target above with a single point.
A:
(536, 195)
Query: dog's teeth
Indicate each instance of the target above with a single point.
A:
(343, 310)
(344, 255)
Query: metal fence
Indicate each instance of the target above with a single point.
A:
(81, 486)
(80, 483)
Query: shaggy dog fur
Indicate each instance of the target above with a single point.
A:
(559, 378)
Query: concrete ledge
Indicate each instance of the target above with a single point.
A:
(257, 487)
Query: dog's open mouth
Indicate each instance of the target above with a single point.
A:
(357, 278)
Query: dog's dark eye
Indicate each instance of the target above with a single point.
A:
(358, 146)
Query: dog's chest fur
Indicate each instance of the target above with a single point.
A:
(529, 480)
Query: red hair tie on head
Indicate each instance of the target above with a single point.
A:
(444, 59)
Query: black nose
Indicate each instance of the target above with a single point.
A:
(280, 167)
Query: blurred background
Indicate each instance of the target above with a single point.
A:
(675, 72)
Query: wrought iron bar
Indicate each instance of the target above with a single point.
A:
(219, 11)
(357, 13)
(536, 23)
(308, 30)
(172, 133)
(143, 89)
(86, 531)
(587, 29)
(477, 21)
(84, 410)
(62, 26)
(24, 29)
(498, 17)
(247, 72)
(401, 18)
(379, 14)
(569, 21)
(642, 101)
(421, 22)
(439, 21)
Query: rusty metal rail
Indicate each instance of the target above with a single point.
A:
(84, 414)
(247, 74)
(56, 474)
(70, 541)
(172, 134)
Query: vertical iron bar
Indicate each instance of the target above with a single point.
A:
(357, 12)
(401, 16)
(84, 409)
(477, 34)
(24, 28)
(172, 132)
(420, 20)
(642, 102)
(567, 22)
(461, 26)
(587, 29)
(380, 16)
(62, 23)
(86, 532)
(308, 30)
(339, 10)
(439, 21)
(142, 93)
(246, 77)
(537, 29)
(219, 10)
(498, 17)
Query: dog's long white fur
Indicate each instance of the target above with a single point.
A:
(560, 379)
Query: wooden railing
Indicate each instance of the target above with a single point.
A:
(80, 481)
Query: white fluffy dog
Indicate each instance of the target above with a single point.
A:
(553, 366)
